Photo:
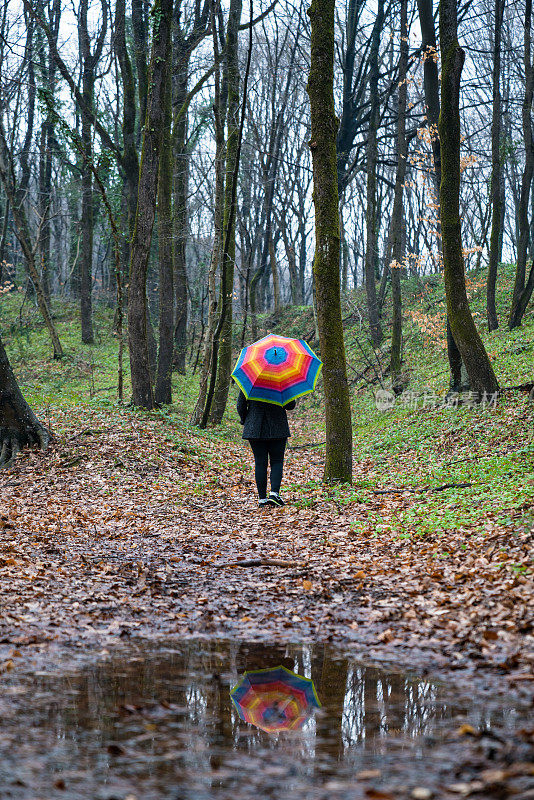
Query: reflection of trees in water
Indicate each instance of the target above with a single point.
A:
(380, 707)
(363, 711)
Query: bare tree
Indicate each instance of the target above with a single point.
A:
(338, 461)
(224, 356)
(523, 291)
(90, 58)
(463, 328)
(496, 172)
(398, 210)
(142, 389)
(372, 153)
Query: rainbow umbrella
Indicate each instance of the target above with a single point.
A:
(277, 369)
(275, 699)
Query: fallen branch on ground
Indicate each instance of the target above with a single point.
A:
(450, 486)
(257, 562)
(423, 489)
(304, 446)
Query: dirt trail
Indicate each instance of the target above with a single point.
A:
(116, 534)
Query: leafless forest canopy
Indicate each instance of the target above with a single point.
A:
(75, 78)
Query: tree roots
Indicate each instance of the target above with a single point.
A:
(12, 441)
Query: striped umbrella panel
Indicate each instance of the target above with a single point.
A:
(275, 699)
(277, 369)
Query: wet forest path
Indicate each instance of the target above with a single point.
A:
(131, 530)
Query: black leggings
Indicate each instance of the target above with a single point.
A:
(265, 449)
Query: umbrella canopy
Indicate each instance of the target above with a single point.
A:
(277, 369)
(275, 699)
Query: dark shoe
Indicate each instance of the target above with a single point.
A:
(266, 502)
(275, 499)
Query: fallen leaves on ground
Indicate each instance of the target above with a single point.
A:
(125, 529)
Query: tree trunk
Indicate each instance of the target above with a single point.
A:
(227, 287)
(229, 234)
(163, 387)
(466, 336)
(338, 462)
(45, 196)
(181, 183)
(86, 259)
(142, 394)
(303, 250)
(431, 89)
(218, 116)
(372, 153)
(354, 109)
(140, 41)
(3, 238)
(520, 298)
(16, 200)
(431, 81)
(89, 61)
(496, 170)
(18, 424)
(196, 416)
(289, 247)
(344, 256)
(48, 68)
(398, 211)
(275, 275)
(130, 160)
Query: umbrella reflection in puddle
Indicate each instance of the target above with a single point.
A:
(275, 699)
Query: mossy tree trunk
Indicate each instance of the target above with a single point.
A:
(324, 124)
(372, 155)
(173, 198)
(163, 388)
(466, 336)
(18, 424)
(219, 114)
(398, 209)
(140, 41)
(496, 173)
(130, 161)
(181, 184)
(142, 391)
(227, 272)
(521, 293)
(458, 378)
(229, 234)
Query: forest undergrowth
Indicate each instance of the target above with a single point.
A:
(136, 524)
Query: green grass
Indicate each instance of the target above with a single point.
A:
(411, 447)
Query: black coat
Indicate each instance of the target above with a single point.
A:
(263, 420)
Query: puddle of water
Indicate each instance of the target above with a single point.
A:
(158, 722)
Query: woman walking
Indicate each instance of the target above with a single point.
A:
(265, 426)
